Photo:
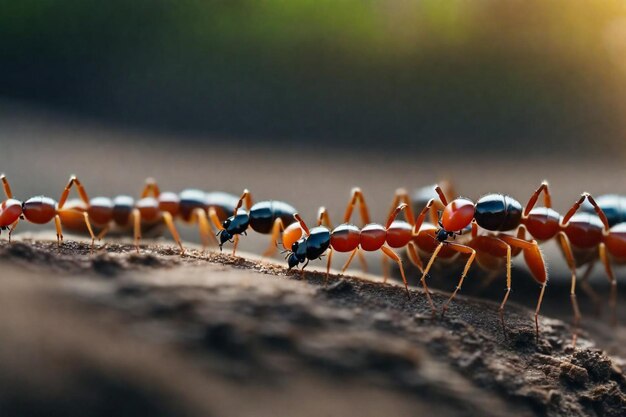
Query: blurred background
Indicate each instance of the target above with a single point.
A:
(452, 77)
(302, 100)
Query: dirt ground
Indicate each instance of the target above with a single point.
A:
(132, 334)
(119, 333)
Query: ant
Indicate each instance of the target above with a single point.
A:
(599, 237)
(495, 213)
(500, 213)
(37, 210)
(153, 207)
(306, 245)
(265, 217)
(399, 233)
(344, 238)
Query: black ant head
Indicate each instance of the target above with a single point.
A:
(442, 235)
(224, 237)
(292, 260)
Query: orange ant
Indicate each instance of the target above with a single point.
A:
(151, 209)
(38, 210)
(496, 213)
(305, 245)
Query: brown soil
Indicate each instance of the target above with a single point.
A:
(119, 333)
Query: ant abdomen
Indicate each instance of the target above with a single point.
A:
(345, 237)
(498, 212)
(543, 223)
(39, 210)
(263, 215)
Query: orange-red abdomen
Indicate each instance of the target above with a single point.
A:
(543, 223)
(399, 234)
(292, 234)
(458, 214)
(149, 209)
(345, 238)
(169, 202)
(10, 211)
(39, 210)
(584, 230)
(373, 237)
(100, 210)
(616, 241)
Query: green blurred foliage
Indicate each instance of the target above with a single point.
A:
(425, 74)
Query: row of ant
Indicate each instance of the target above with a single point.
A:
(588, 232)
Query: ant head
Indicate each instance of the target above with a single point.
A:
(292, 260)
(442, 235)
(224, 237)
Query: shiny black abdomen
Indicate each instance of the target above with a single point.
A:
(613, 205)
(317, 242)
(498, 212)
(264, 213)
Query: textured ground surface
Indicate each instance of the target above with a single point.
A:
(115, 332)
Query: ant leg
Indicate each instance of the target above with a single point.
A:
(571, 263)
(401, 196)
(394, 256)
(169, 221)
(302, 224)
(463, 249)
(13, 226)
(547, 199)
(425, 273)
(323, 219)
(235, 244)
(277, 229)
(103, 232)
(6, 186)
(536, 264)
(394, 214)
(414, 256)
(136, 227)
(66, 192)
(88, 224)
(577, 205)
(151, 187)
(441, 194)
(591, 293)
(328, 262)
(347, 264)
(57, 224)
(215, 219)
(609, 272)
(419, 220)
(204, 227)
(245, 196)
(357, 195)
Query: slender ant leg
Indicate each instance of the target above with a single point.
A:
(277, 228)
(6, 186)
(534, 260)
(151, 187)
(468, 264)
